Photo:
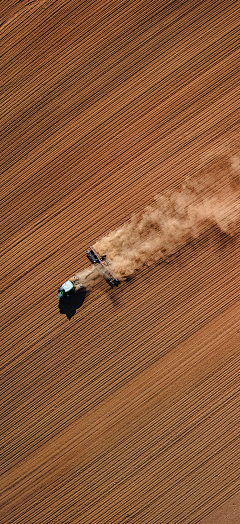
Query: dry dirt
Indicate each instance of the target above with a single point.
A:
(130, 411)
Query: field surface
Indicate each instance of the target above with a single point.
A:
(129, 412)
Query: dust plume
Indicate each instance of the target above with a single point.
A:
(173, 219)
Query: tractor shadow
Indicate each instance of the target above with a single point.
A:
(69, 305)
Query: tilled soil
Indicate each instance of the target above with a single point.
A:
(129, 411)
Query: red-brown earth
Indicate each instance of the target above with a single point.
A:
(129, 412)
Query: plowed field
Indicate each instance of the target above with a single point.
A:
(129, 412)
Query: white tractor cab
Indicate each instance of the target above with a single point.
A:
(69, 288)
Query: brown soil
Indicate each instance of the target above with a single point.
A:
(129, 412)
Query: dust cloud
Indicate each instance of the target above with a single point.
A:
(173, 219)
